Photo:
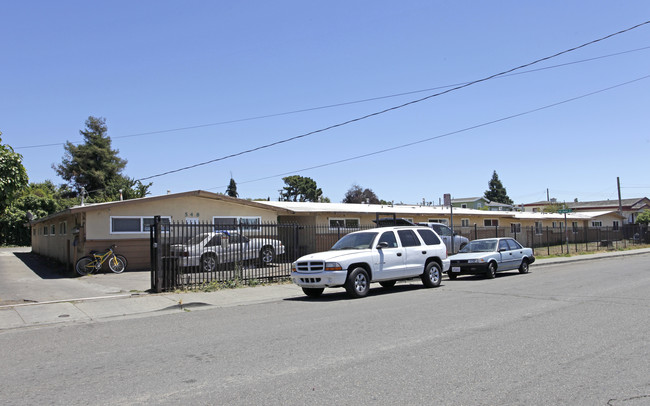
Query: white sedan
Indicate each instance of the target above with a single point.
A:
(211, 249)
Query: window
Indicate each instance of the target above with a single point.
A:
(464, 222)
(463, 205)
(53, 229)
(597, 224)
(389, 238)
(615, 225)
(408, 238)
(574, 226)
(352, 223)
(514, 245)
(46, 230)
(515, 228)
(491, 223)
(429, 237)
(247, 222)
(538, 227)
(63, 228)
(503, 245)
(133, 224)
(441, 221)
(554, 224)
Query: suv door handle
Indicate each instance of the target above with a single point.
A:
(399, 254)
(424, 252)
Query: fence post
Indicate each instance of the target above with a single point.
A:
(157, 255)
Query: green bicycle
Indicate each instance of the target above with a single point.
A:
(93, 263)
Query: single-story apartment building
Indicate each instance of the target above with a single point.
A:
(630, 208)
(70, 234)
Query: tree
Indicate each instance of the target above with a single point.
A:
(13, 176)
(300, 189)
(34, 201)
(96, 167)
(496, 192)
(644, 217)
(231, 190)
(356, 194)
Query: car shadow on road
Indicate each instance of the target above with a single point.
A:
(470, 278)
(43, 267)
(336, 295)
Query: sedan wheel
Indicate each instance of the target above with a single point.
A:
(491, 271)
(267, 254)
(523, 268)
(208, 263)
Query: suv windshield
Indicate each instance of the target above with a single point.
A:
(356, 241)
(480, 246)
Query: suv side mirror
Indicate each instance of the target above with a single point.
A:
(382, 244)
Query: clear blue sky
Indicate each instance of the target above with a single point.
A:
(153, 66)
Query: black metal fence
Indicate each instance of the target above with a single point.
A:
(191, 256)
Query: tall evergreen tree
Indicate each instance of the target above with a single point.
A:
(96, 167)
(301, 189)
(231, 190)
(497, 192)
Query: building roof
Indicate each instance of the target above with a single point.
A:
(636, 203)
(195, 193)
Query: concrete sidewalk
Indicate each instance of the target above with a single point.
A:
(135, 302)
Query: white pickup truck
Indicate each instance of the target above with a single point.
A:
(384, 255)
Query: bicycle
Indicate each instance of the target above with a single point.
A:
(93, 262)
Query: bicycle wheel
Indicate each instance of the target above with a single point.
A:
(116, 264)
(85, 265)
(123, 258)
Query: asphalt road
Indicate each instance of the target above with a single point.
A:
(569, 334)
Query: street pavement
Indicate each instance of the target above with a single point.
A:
(32, 294)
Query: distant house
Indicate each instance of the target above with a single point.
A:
(630, 208)
(480, 203)
(476, 203)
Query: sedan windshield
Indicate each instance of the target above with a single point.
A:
(197, 239)
(480, 246)
(357, 241)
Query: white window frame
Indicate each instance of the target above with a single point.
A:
(441, 221)
(596, 224)
(616, 225)
(142, 225)
(515, 228)
(539, 228)
(464, 223)
(574, 227)
(254, 226)
(346, 223)
(63, 227)
(53, 229)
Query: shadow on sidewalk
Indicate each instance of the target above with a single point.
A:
(44, 267)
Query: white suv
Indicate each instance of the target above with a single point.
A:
(383, 255)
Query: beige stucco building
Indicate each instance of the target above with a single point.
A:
(73, 233)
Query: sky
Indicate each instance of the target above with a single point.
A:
(343, 92)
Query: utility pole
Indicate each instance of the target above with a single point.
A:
(620, 203)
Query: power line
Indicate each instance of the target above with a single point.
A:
(444, 135)
(394, 107)
(329, 106)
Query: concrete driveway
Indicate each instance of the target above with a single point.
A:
(26, 277)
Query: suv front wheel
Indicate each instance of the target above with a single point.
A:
(358, 283)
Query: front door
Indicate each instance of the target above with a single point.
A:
(391, 259)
